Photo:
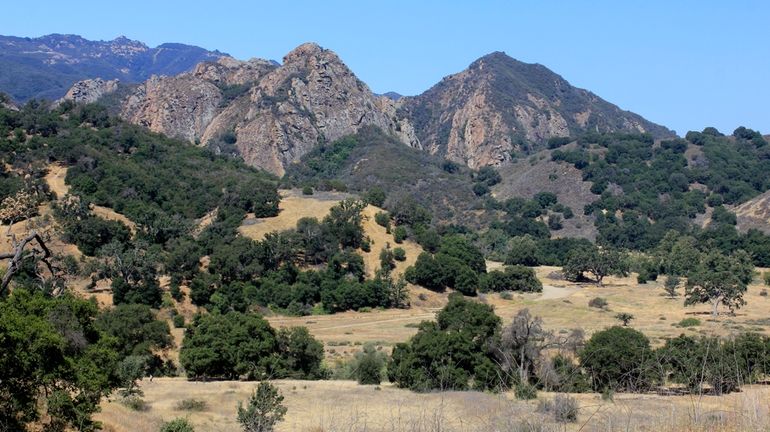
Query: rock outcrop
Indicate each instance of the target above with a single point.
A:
(500, 105)
(91, 90)
(272, 114)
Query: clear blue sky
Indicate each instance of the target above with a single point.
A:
(685, 64)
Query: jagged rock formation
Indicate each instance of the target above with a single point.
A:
(499, 105)
(90, 91)
(45, 67)
(272, 114)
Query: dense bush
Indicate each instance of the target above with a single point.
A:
(619, 358)
(236, 344)
(512, 278)
(451, 353)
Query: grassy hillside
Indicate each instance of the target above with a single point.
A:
(372, 159)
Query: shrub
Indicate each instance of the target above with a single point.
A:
(375, 196)
(564, 408)
(672, 282)
(766, 277)
(307, 190)
(598, 302)
(399, 254)
(556, 142)
(624, 317)
(191, 405)
(524, 391)
(480, 189)
(399, 234)
(135, 403)
(688, 322)
(387, 260)
(368, 365)
(382, 219)
(178, 321)
(177, 425)
(619, 358)
(264, 410)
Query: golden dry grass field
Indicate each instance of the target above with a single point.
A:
(343, 405)
(331, 406)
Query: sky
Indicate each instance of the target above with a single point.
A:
(682, 63)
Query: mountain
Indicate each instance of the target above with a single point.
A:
(45, 67)
(499, 105)
(271, 115)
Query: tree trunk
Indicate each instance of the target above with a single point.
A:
(715, 307)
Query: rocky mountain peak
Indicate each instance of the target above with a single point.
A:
(499, 106)
(304, 52)
(269, 114)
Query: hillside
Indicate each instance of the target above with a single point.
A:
(272, 115)
(372, 159)
(45, 67)
(500, 106)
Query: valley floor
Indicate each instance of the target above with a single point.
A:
(325, 406)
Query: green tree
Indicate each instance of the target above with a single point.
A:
(452, 353)
(130, 370)
(369, 364)
(624, 317)
(301, 353)
(597, 262)
(523, 251)
(671, 284)
(720, 279)
(375, 196)
(133, 272)
(619, 358)
(264, 410)
(55, 366)
(512, 278)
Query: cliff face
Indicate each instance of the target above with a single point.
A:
(271, 115)
(500, 105)
(311, 97)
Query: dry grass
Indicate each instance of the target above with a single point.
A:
(563, 306)
(346, 406)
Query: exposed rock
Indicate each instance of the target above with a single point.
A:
(754, 213)
(89, 91)
(273, 114)
(499, 105)
(278, 113)
(179, 106)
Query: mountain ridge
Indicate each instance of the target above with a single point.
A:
(276, 113)
(47, 66)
